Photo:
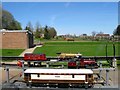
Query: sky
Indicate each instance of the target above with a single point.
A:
(67, 17)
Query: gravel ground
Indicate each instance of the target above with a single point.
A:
(114, 79)
(13, 73)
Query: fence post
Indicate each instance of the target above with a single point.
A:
(47, 65)
(114, 62)
(107, 77)
(7, 74)
(100, 71)
(23, 69)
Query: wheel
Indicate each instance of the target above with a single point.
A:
(39, 63)
(63, 85)
(86, 86)
(27, 84)
(86, 66)
(29, 64)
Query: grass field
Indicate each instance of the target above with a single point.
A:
(85, 48)
(11, 52)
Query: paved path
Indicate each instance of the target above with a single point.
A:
(113, 77)
(30, 50)
(13, 73)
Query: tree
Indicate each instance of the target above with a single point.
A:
(94, 33)
(37, 32)
(14, 25)
(52, 32)
(46, 33)
(0, 17)
(8, 21)
(100, 32)
(117, 30)
(29, 27)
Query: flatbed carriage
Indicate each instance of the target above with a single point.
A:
(63, 56)
(59, 76)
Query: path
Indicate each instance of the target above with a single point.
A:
(29, 50)
(16, 71)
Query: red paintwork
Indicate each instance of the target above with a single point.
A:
(30, 56)
(19, 63)
(84, 62)
(72, 64)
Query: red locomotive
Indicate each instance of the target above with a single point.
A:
(88, 63)
(83, 63)
(72, 64)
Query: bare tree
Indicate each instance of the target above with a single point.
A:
(100, 32)
(94, 33)
(29, 27)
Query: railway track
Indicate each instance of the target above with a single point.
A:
(26, 66)
(49, 58)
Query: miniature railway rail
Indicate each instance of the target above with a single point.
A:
(49, 58)
(25, 66)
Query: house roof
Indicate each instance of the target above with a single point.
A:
(102, 34)
(12, 31)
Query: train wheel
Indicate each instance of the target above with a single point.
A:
(86, 86)
(29, 64)
(39, 63)
(63, 85)
(27, 84)
(92, 86)
(86, 66)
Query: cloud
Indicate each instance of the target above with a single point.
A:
(52, 20)
(67, 4)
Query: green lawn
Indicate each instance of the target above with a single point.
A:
(11, 52)
(85, 48)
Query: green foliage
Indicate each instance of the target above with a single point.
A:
(117, 30)
(0, 16)
(49, 32)
(38, 31)
(118, 62)
(29, 27)
(14, 25)
(46, 33)
(52, 32)
(8, 21)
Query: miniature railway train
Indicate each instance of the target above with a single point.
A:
(83, 63)
(61, 77)
(34, 57)
(79, 63)
(63, 56)
(30, 56)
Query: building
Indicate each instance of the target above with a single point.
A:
(102, 36)
(16, 39)
(42, 35)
